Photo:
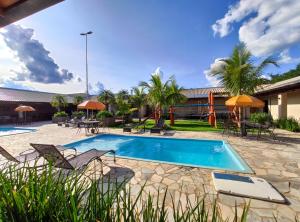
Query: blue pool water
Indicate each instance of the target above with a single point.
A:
(5, 131)
(191, 152)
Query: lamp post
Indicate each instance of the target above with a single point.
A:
(86, 62)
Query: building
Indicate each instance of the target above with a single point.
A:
(41, 101)
(197, 102)
(282, 99)
(14, 10)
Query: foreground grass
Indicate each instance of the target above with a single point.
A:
(29, 195)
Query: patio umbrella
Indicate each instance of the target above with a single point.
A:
(91, 105)
(244, 101)
(24, 109)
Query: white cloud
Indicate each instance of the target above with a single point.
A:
(10, 66)
(268, 26)
(284, 58)
(214, 67)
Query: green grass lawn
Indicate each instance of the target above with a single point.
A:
(187, 125)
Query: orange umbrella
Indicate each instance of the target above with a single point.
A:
(245, 101)
(92, 105)
(24, 109)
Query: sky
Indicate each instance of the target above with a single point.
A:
(132, 39)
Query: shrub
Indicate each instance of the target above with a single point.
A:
(103, 114)
(29, 194)
(60, 114)
(290, 124)
(261, 118)
(78, 114)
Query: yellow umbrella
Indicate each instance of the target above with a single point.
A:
(245, 101)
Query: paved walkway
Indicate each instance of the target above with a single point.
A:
(278, 162)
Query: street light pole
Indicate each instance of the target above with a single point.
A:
(86, 62)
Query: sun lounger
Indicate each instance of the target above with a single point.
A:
(23, 157)
(30, 157)
(159, 127)
(129, 128)
(78, 162)
(246, 186)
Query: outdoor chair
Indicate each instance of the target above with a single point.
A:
(268, 128)
(230, 127)
(77, 162)
(159, 127)
(25, 157)
(129, 128)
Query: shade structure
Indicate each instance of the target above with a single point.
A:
(245, 101)
(91, 105)
(24, 109)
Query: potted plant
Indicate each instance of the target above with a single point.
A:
(106, 117)
(59, 117)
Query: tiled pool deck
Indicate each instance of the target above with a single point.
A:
(278, 162)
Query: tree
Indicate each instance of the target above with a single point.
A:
(238, 74)
(286, 75)
(138, 99)
(157, 93)
(174, 96)
(106, 97)
(59, 102)
(123, 107)
(77, 100)
(123, 94)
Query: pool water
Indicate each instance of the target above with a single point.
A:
(215, 154)
(5, 131)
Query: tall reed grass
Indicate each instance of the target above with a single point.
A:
(31, 195)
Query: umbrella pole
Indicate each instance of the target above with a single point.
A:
(243, 124)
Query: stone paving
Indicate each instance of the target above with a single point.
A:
(276, 161)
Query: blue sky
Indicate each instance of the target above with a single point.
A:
(134, 38)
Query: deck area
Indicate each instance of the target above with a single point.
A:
(276, 161)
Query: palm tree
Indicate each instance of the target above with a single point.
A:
(157, 93)
(59, 102)
(138, 99)
(174, 96)
(123, 94)
(77, 100)
(239, 75)
(106, 97)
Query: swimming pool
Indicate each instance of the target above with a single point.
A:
(5, 131)
(216, 154)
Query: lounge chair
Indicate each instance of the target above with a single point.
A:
(26, 156)
(159, 126)
(77, 162)
(129, 128)
(23, 157)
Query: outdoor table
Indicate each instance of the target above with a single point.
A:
(91, 125)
